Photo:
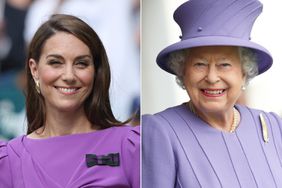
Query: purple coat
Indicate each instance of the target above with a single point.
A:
(181, 150)
(60, 162)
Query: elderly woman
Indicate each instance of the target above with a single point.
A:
(210, 141)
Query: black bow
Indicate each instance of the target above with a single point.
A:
(111, 159)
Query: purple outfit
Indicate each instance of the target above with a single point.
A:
(60, 162)
(181, 150)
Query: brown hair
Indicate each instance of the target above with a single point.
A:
(97, 105)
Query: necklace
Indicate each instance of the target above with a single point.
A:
(234, 124)
(235, 121)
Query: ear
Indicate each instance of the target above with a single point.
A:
(33, 66)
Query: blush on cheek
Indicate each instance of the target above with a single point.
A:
(48, 75)
(87, 77)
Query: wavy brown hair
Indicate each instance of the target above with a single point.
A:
(97, 105)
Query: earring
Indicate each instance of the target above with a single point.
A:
(243, 88)
(37, 86)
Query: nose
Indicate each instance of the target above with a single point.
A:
(212, 76)
(68, 74)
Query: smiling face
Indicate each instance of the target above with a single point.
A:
(213, 77)
(65, 72)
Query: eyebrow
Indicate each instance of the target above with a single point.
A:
(83, 57)
(225, 59)
(61, 57)
(54, 55)
(200, 58)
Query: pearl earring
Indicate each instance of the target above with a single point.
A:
(243, 88)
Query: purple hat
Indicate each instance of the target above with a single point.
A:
(217, 23)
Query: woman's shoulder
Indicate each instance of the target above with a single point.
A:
(132, 134)
(5, 175)
(167, 112)
(9, 151)
(269, 119)
(172, 110)
(131, 138)
(164, 118)
(15, 144)
(127, 134)
(127, 139)
(3, 150)
(258, 112)
(130, 153)
(11, 148)
(125, 130)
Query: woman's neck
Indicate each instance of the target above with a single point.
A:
(64, 123)
(225, 120)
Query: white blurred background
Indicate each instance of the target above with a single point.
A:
(159, 89)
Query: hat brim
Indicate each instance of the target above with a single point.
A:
(264, 58)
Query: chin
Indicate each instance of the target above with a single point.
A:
(69, 107)
(213, 107)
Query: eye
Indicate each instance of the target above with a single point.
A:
(224, 61)
(82, 64)
(54, 62)
(199, 64)
(225, 64)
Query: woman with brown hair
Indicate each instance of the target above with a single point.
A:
(73, 138)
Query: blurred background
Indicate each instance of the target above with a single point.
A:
(159, 89)
(116, 23)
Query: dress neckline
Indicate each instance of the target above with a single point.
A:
(212, 129)
(68, 136)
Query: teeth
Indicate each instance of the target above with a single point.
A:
(213, 92)
(67, 90)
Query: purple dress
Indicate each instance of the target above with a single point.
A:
(60, 162)
(180, 150)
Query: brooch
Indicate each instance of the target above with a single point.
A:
(264, 128)
(111, 159)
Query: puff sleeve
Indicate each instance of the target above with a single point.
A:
(5, 172)
(131, 156)
(158, 161)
